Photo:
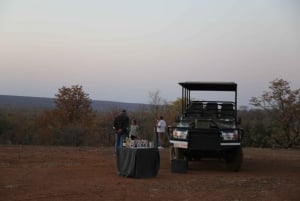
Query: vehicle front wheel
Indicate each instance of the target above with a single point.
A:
(179, 163)
(234, 159)
(176, 153)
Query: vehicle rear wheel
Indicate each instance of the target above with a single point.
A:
(234, 159)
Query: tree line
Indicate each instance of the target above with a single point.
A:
(273, 121)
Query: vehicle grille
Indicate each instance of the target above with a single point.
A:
(204, 139)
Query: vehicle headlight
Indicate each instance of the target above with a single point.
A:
(230, 135)
(180, 134)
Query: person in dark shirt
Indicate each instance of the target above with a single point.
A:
(121, 124)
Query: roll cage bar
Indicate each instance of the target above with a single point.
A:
(187, 87)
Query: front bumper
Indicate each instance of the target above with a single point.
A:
(184, 144)
(179, 144)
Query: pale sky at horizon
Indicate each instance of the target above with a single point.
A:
(122, 50)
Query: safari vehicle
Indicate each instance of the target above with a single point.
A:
(206, 128)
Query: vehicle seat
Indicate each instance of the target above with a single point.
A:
(227, 110)
(195, 109)
(211, 110)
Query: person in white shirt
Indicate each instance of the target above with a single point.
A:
(160, 129)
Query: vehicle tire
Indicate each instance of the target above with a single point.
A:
(172, 153)
(176, 153)
(234, 159)
(179, 163)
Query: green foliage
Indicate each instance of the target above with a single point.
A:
(17, 127)
(104, 124)
(275, 122)
(72, 122)
(255, 124)
(73, 104)
(282, 104)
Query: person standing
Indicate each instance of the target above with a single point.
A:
(121, 124)
(133, 130)
(160, 129)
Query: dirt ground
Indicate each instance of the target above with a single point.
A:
(68, 173)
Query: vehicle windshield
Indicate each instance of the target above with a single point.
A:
(225, 123)
(214, 123)
(184, 124)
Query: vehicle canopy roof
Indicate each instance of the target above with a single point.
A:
(187, 87)
(209, 86)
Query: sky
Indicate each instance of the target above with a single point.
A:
(125, 50)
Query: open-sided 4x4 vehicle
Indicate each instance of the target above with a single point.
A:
(206, 128)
